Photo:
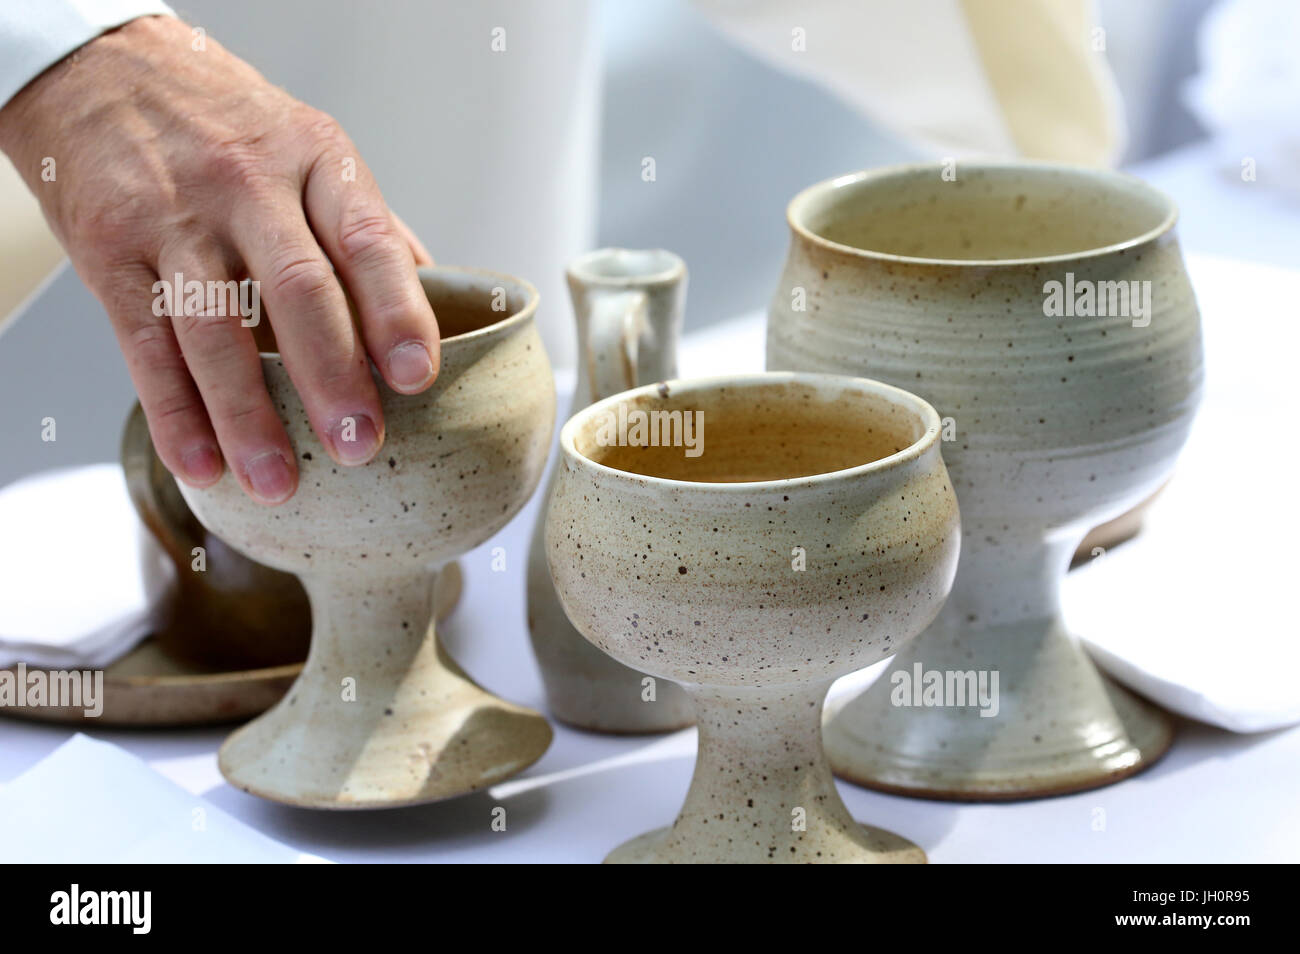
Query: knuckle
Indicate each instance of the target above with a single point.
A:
(369, 237)
(340, 379)
(151, 345)
(209, 335)
(240, 416)
(321, 128)
(299, 276)
(101, 225)
(172, 412)
(334, 381)
(241, 164)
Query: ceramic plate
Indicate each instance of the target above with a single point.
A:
(148, 688)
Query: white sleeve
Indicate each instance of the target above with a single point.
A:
(36, 34)
(955, 77)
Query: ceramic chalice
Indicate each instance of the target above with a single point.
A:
(380, 715)
(628, 304)
(1045, 311)
(815, 533)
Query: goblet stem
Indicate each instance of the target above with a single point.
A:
(1004, 617)
(1045, 720)
(380, 715)
(1006, 577)
(763, 791)
(761, 768)
(371, 630)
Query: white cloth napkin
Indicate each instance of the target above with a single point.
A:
(89, 802)
(1192, 614)
(72, 595)
(1197, 612)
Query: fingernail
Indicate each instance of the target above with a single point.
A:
(355, 439)
(270, 477)
(410, 366)
(202, 465)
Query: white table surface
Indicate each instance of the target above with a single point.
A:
(1217, 796)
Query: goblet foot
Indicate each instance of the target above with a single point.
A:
(381, 716)
(1060, 725)
(863, 844)
(436, 736)
(762, 792)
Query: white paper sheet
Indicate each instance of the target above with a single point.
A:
(90, 802)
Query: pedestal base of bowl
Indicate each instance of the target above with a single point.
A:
(437, 735)
(762, 791)
(868, 845)
(932, 753)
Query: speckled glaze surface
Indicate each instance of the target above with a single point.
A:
(628, 304)
(381, 716)
(1054, 423)
(815, 534)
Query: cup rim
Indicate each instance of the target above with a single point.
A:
(795, 209)
(518, 317)
(913, 403)
(584, 268)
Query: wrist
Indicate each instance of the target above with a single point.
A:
(53, 103)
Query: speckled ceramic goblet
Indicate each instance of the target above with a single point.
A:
(813, 534)
(1044, 310)
(380, 715)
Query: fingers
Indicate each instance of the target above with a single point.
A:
(422, 256)
(222, 359)
(376, 257)
(320, 346)
(178, 422)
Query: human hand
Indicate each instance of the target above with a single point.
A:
(151, 158)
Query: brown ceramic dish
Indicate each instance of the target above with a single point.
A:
(235, 615)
